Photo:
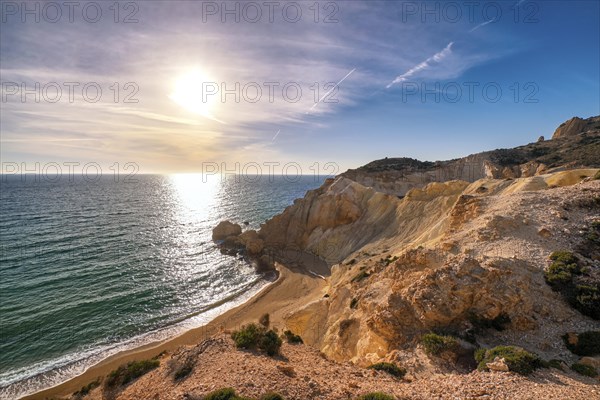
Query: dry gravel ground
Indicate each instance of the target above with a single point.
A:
(301, 373)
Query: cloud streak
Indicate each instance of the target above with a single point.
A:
(433, 60)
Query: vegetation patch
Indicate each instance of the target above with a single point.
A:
(222, 394)
(85, 390)
(586, 370)
(361, 275)
(435, 344)
(230, 394)
(353, 303)
(130, 372)
(184, 370)
(390, 368)
(585, 343)
(579, 286)
(292, 338)
(254, 336)
(272, 396)
(517, 359)
(376, 396)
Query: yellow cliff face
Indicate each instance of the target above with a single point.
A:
(443, 253)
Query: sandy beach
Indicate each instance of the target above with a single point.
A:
(294, 287)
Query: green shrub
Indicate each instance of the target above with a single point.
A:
(517, 359)
(247, 337)
(85, 390)
(435, 344)
(131, 371)
(562, 270)
(255, 336)
(360, 276)
(376, 396)
(390, 368)
(270, 343)
(578, 286)
(586, 370)
(556, 364)
(272, 396)
(353, 303)
(292, 338)
(588, 343)
(564, 256)
(587, 299)
(479, 354)
(222, 394)
(183, 371)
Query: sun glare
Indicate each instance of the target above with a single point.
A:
(189, 93)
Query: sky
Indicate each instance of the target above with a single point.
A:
(318, 86)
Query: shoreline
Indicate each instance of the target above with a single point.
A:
(293, 286)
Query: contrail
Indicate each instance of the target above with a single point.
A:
(330, 90)
(275, 137)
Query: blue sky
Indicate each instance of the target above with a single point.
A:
(398, 69)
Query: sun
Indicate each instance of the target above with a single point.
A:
(189, 93)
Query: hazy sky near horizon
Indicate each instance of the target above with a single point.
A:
(172, 85)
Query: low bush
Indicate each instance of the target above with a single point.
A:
(272, 396)
(254, 336)
(183, 371)
(353, 303)
(555, 363)
(222, 394)
(230, 394)
(435, 344)
(292, 338)
(588, 343)
(390, 368)
(517, 359)
(479, 355)
(376, 396)
(85, 390)
(360, 276)
(130, 372)
(577, 285)
(586, 370)
(270, 343)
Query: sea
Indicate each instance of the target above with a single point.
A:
(92, 267)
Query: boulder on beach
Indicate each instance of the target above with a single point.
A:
(252, 242)
(226, 229)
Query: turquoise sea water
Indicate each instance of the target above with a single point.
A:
(88, 269)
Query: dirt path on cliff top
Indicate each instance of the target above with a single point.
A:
(295, 286)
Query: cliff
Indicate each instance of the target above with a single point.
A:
(575, 144)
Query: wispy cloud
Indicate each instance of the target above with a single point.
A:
(482, 25)
(435, 59)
